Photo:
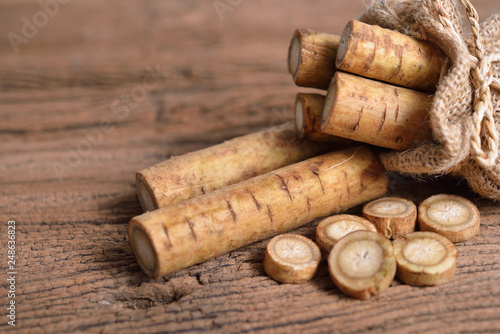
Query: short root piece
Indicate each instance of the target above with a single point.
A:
(331, 229)
(311, 58)
(362, 264)
(425, 258)
(394, 217)
(452, 216)
(376, 113)
(387, 55)
(291, 258)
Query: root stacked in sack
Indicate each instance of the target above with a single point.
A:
(465, 112)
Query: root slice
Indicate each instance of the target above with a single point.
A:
(425, 258)
(362, 264)
(452, 216)
(393, 216)
(291, 258)
(331, 229)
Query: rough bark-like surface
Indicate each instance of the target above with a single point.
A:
(387, 55)
(311, 58)
(204, 227)
(203, 171)
(76, 270)
(376, 113)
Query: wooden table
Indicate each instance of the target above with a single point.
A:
(81, 112)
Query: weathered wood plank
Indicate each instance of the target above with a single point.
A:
(68, 182)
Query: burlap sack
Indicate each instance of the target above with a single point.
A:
(465, 112)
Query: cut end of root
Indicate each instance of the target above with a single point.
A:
(299, 116)
(425, 258)
(145, 194)
(452, 216)
(143, 250)
(393, 216)
(291, 258)
(330, 99)
(294, 54)
(331, 229)
(389, 207)
(362, 264)
(343, 44)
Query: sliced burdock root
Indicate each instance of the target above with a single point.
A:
(331, 229)
(362, 264)
(425, 258)
(452, 216)
(291, 258)
(393, 216)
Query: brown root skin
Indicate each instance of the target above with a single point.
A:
(375, 113)
(452, 216)
(311, 58)
(362, 264)
(387, 55)
(331, 229)
(308, 109)
(197, 173)
(207, 226)
(291, 258)
(425, 258)
(393, 217)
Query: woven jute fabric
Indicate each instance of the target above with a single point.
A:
(465, 111)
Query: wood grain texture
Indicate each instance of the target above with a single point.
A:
(223, 78)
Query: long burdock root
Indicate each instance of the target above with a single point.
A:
(198, 229)
(194, 174)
